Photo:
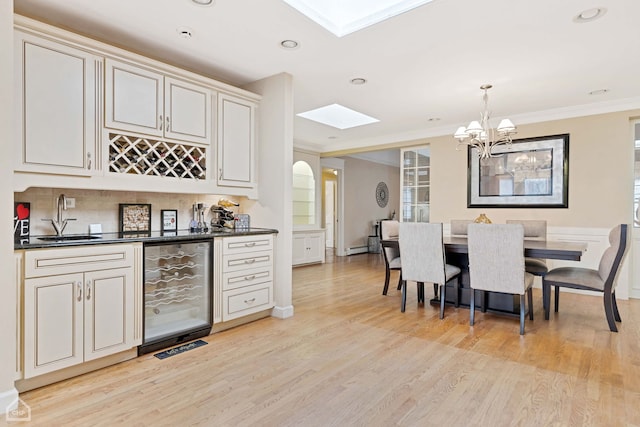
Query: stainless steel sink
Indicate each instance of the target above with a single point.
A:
(70, 237)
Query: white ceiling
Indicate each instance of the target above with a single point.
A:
(424, 64)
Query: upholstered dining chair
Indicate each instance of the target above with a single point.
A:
(389, 230)
(496, 264)
(533, 230)
(423, 259)
(459, 227)
(601, 280)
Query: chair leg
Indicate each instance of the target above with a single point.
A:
(400, 281)
(557, 298)
(483, 301)
(420, 292)
(522, 314)
(530, 296)
(403, 302)
(608, 310)
(472, 307)
(442, 297)
(435, 290)
(616, 313)
(387, 275)
(546, 291)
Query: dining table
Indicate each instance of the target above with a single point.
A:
(457, 250)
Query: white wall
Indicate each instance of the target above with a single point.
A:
(8, 298)
(360, 207)
(275, 159)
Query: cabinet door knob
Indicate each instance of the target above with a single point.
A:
(160, 127)
(79, 287)
(89, 161)
(88, 290)
(168, 123)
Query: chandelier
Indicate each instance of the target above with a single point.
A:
(480, 136)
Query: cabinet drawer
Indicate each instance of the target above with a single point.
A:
(48, 262)
(245, 244)
(242, 278)
(246, 261)
(243, 301)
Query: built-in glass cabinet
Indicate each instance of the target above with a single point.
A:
(415, 179)
(304, 194)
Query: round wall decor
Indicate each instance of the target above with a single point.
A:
(382, 194)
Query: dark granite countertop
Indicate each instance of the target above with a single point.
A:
(153, 236)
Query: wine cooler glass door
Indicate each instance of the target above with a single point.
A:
(177, 289)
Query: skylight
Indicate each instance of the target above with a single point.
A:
(342, 17)
(338, 116)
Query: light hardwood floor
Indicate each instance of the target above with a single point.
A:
(350, 357)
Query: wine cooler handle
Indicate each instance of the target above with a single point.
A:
(79, 287)
(88, 290)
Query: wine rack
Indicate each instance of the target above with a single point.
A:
(143, 156)
(177, 292)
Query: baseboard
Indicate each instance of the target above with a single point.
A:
(282, 312)
(8, 398)
(357, 250)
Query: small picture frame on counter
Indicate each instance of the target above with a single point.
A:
(135, 218)
(21, 222)
(169, 222)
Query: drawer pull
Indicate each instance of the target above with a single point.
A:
(249, 261)
(253, 276)
(250, 301)
(250, 244)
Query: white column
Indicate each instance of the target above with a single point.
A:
(273, 209)
(8, 299)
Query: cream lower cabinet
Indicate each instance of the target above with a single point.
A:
(91, 309)
(247, 275)
(308, 247)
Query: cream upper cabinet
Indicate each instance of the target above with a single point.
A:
(56, 106)
(236, 142)
(143, 101)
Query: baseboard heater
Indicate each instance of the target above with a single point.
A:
(357, 250)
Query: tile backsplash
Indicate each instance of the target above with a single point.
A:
(102, 207)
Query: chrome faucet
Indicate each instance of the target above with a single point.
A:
(59, 224)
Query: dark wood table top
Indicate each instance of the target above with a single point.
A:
(570, 251)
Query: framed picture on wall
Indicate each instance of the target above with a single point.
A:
(168, 221)
(528, 173)
(135, 218)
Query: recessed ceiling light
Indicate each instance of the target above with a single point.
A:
(599, 92)
(590, 15)
(338, 116)
(358, 81)
(345, 17)
(184, 32)
(289, 44)
(203, 2)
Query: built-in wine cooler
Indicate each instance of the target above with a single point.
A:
(178, 281)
